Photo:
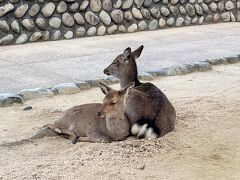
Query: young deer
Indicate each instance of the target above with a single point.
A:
(96, 122)
(146, 105)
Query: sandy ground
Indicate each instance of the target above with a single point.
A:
(205, 144)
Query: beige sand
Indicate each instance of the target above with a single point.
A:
(205, 145)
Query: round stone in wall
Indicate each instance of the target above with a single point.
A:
(107, 5)
(199, 10)
(209, 18)
(146, 14)
(183, 1)
(28, 24)
(173, 2)
(127, 4)
(229, 5)
(101, 30)
(21, 10)
(165, 2)
(117, 16)
(21, 39)
(194, 20)
(190, 10)
(216, 18)
(48, 9)
(105, 18)
(213, 7)
(233, 19)
(162, 23)
(155, 12)
(5, 9)
(220, 6)
(147, 3)
(164, 11)
(179, 21)
(80, 32)
(182, 10)
(153, 24)
(68, 35)
(225, 16)
(73, 7)
(205, 8)
(187, 20)
(35, 36)
(142, 25)
(67, 20)
(117, 4)
(91, 31)
(45, 35)
(136, 13)
(55, 22)
(91, 18)
(34, 10)
(112, 29)
(207, 1)
(132, 28)
(200, 21)
(122, 29)
(62, 7)
(4, 26)
(170, 21)
(41, 24)
(56, 35)
(174, 10)
(6, 39)
(95, 5)
(78, 18)
(84, 5)
(15, 26)
(128, 16)
(139, 3)
(192, 1)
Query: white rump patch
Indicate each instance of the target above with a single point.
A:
(150, 134)
(57, 130)
(135, 129)
(142, 130)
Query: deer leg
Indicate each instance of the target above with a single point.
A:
(95, 137)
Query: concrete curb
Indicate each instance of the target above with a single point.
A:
(7, 99)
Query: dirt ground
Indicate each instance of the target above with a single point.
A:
(205, 144)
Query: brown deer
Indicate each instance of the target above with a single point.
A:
(146, 105)
(96, 122)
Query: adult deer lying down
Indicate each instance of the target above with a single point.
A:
(96, 122)
(146, 106)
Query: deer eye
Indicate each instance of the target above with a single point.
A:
(112, 104)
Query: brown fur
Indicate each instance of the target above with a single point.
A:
(146, 100)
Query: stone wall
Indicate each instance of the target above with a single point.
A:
(42, 20)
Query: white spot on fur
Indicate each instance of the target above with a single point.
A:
(135, 129)
(150, 134)
(142, 130)
(57, 130)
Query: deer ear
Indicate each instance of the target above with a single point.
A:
(138, 52)
(127, 53)
(105, 89)
(127, 89)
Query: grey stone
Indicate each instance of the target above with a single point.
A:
(117, 16)
(238, 17)
(28, 24)
(83, 85)
(117, 4)
(147, 3)
(55, 22)
(91, 31)
(142, 25)
(80, 32)
(45, 35)
(112, 29)
(213, 7)
(155, 12)
(84, 5)
(190, 10)
(232, 59)
(174, 10)
(48, 9)
(73, 7)
(194, 20)
(68, 35)
(91, 18)
(153, 24)
(225, 16)
(132, 28)
(107, 5)
(21, 39)
(215, 61)
(207, 1)
(192, 1)
(216, 18)
(7, 99)
(170, 21)
(199, 10)
(69, 1)
(139, 3)
(79, 19)
(136, 13)
(182, 10)
(229, 5)
(101, 30)
(179, 21)
(200, 21)
(6, 39)
(173, 2)
(221, 6)
(200, 1)
(156, 1)
(162, 23)
(146, 14)
(202, 66)
(127, 4)
(95, 5)
(67, 20)
(170, 71)
(34, 10)
(238, 5)
(145, 76)
(205, 8)
(62, 7)
(4, 27)
(128, 16)
(41, 23)
(164, 11)
(21, 10)
(35, 93)
(5, 9)
(56, 35)
(35, 36)
(183, 1)
(105, 18)
(165, 2)
(233, 19)
(122, 29)
(187, 21)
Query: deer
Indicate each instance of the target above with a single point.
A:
(147, 107)
(96, 122)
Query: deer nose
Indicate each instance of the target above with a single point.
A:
(105, 71)
(99, 113)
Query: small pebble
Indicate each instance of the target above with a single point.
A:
(27, 108)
